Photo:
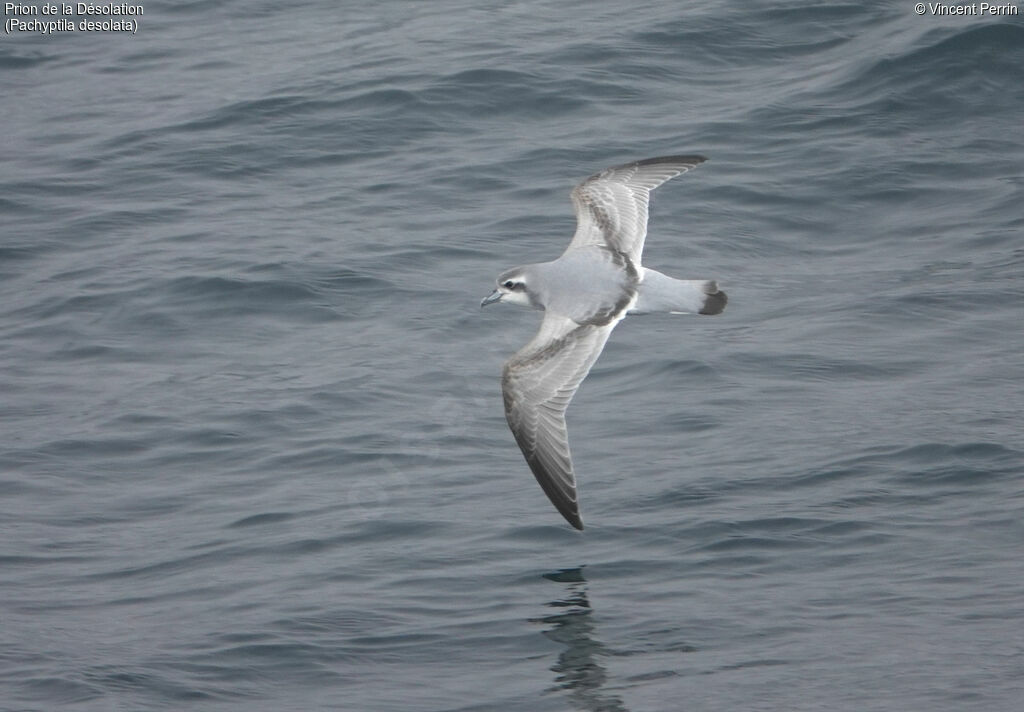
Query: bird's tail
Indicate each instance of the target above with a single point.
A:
(661, 293)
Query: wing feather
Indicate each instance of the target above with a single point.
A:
(538, 384)
(611, 206)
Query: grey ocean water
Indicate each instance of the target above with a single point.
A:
(252, 449)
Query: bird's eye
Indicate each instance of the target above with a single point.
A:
(509, 284)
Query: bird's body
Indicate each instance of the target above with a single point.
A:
(584, 293)
(585, 283)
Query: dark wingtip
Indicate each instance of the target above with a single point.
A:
(715, 301)
(694, 159)
(565, 505)
(567, 509)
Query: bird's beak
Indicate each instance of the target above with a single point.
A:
(494, 296)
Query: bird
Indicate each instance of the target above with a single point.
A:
(584, 293)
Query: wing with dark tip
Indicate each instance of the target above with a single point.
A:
(611, 206)
(538, 383)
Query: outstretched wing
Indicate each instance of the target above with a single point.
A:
(611, 206)
(538, 383)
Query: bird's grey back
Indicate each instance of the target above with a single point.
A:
(590, 285)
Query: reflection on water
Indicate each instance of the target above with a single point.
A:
(577, 670)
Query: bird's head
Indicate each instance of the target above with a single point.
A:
(511, 288)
